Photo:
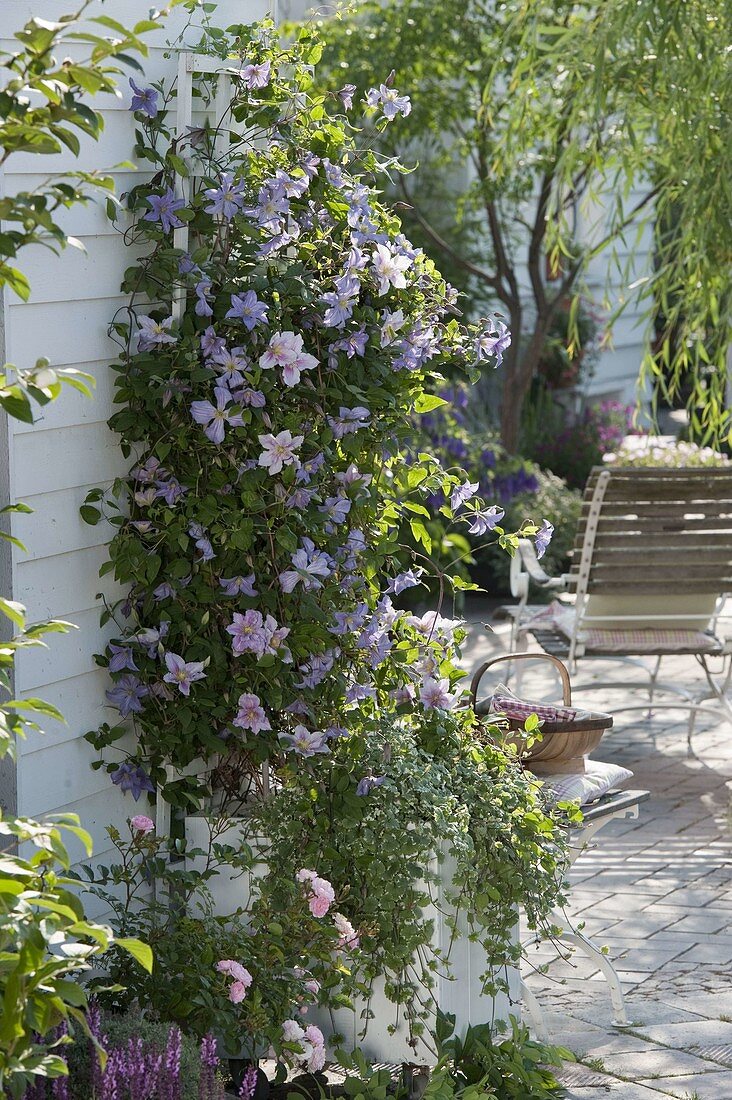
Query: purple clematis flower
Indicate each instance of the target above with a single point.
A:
(341, 301)
(170, 491)
(357, 692)
(215, 417)
(226, 199)
(182, 673)
(234, 586)
(346, 95)
(348, 622)
(164, 591)
(203, 542)
(310, 565)
(121, 658)
(408, 579)
(164, 210)
(493, 342)
(368, 784)
(154, 333)
(392, 104)
(305, 743)
(248, 309)
(482, 522)
(462, 493)
(203, 306)
(229, 365)
(127, 695)
(251, 714)
(336, 508)
(144, 99)
(256, 76)
(211, 344)
(353, 344)
(349, 420)
(543, 537)
(248, 396)
(248, 633)
(133, 779)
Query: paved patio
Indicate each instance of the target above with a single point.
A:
(657, 892)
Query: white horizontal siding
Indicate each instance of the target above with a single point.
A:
(74, 297)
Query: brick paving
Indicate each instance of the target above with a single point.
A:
(657, 892)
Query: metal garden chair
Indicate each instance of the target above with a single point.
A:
(652, 565)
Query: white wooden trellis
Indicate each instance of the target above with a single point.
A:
(189, 66)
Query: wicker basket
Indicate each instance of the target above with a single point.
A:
(563, 744)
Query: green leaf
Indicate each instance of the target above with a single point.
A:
(90, 514)
(139, 951)
(427, 402)
(14, 611)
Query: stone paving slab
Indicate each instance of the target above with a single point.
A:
(658, 892)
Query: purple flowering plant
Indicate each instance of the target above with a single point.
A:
(262, 609)
(321, 309)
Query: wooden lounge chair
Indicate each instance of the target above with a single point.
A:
(652, 565)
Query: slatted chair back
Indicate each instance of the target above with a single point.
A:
(655, 543)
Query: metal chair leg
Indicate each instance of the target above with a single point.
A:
(536, 1012)
(620, 1019)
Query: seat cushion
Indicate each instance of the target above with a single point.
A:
(654, 640)
(593, 784)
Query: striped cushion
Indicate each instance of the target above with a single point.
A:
(617, 640)
(593, 784)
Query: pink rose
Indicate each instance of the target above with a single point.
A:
(305, 876)
(291, 1031)
(314, 1035)
(313, 987)
(323, 889)
(317, 1060)
(237, 992)
(319, 905)
(347, 937)
(142, 824)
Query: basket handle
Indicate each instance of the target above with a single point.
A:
(559, 665)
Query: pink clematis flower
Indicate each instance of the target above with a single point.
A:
(251, 715)
(256, 76)
(435, 694)
(286, 350)
(279, 450)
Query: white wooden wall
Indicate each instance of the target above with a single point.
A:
(53, 463)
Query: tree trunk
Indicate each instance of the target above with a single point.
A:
(517, 378)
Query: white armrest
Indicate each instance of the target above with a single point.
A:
(525, 566)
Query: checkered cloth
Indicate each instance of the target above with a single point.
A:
(505, 702)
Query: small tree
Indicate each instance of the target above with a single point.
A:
(541, 114)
